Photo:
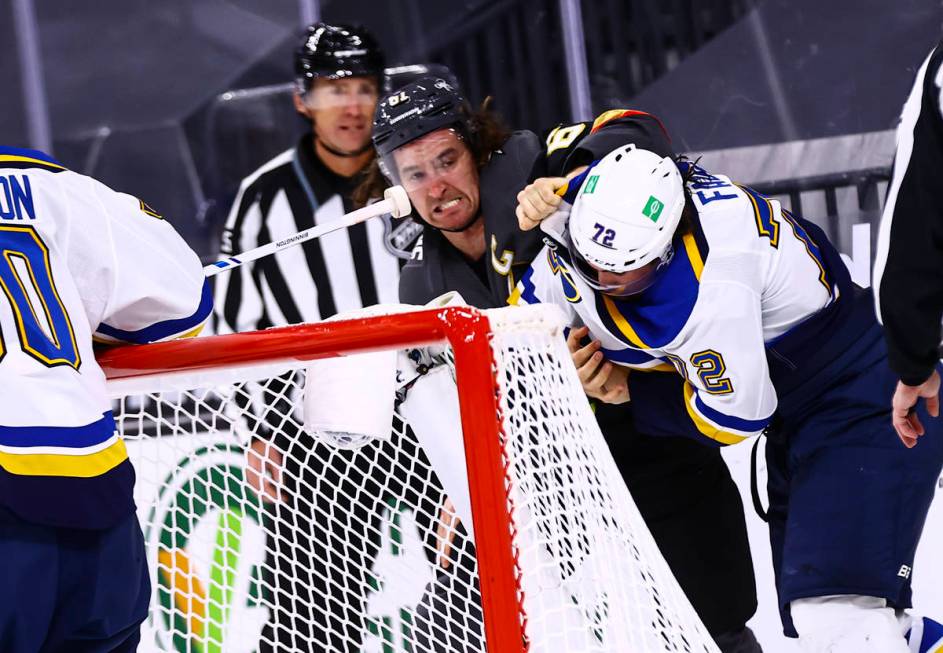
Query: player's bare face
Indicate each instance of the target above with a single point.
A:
(440, 176)
(342, 111)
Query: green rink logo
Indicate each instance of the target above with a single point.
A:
(591, 184)
(653, 208)
(207, 546)
(205, 529)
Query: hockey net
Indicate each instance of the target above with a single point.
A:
(347, 543)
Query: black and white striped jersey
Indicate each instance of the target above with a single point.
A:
(908, 268)
(344, 270)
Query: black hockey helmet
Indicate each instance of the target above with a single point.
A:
(335, 52)
(417, 109)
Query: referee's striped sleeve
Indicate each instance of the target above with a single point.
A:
(908, 269)
(238, 297)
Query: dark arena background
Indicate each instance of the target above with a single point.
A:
(177, 101)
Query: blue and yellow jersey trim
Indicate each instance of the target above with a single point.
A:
(14, 157)
(524, 291)
(178, 328)
(77, 452)
(655, 317)
(813, 250)
(58, 347)
(638, 360)
(769, 227)
(712, 424)
(766, 224)
(559, 267)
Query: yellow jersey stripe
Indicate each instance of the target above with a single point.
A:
(623, 324)
(694, 255)
(192, 334)
(47, 464)
(515, 297)
(707, 429)
(14, 158)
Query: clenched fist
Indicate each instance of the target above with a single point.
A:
(538, 201)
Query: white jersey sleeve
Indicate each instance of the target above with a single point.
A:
(155, 286)
(80, 260)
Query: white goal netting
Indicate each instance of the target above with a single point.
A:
(266, 535)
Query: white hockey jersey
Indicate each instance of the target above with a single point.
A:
(80, 261)
(747, 274)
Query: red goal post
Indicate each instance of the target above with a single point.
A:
(530, 456)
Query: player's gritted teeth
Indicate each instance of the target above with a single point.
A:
(448, 205)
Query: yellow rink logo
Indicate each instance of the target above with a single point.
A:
(206, 540)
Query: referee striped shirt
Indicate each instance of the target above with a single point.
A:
(344, 270)
(908, 269)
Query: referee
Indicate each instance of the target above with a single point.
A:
(339, 74)
(908, 269)
(339, 71)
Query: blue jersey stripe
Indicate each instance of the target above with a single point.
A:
(627, 356)
(75, 437)
(167, 328)
(528, 291)
(32, 154)
(729, 421)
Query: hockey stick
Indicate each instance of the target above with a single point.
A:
(395, 202)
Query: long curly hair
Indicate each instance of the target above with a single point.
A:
(486, 133)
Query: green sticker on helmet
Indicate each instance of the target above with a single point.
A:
(590, 184)
(653, 208)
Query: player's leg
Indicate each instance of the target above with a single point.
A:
(104, 590)
(858, 501)
(29, 559)
(693, 509)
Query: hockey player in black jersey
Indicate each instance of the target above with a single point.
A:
(463, 171)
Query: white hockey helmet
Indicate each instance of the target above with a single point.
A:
(625, 215)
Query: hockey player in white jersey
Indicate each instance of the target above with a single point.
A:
(755, 316)
(80, 261)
